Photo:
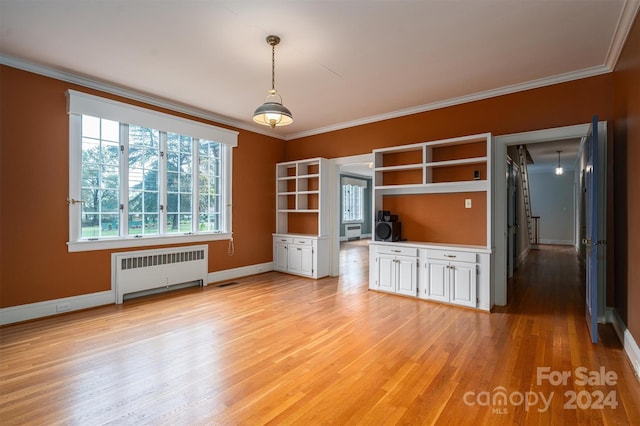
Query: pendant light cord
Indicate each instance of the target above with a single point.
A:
(273, 67)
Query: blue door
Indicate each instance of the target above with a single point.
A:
(591, 241)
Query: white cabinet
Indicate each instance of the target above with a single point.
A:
(280, 253)
(450, 277)
(463, 284)
(453, 274)
(395, 269)
(300, 260)
(436, 281)
(300, 255)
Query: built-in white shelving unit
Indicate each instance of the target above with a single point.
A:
(412, 168)
(301, 241)
(448, 273)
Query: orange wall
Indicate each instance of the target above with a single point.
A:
(626, 154)
(553, 106)
(34, 162)
(429, 217)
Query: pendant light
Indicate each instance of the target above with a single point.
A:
(559, 170)
(272, 112)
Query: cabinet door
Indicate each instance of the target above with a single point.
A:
(463, 284)
(407, 277)
(386, 273)
(295, 259)
(280, 256)
(437, 286)
(306, 260)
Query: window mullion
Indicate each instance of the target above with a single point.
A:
(195, 185)
(124, 180)
(226, 173)
(162, 184)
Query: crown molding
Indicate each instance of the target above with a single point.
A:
(129, 94)
(625, 22)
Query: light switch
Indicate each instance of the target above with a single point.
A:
(467, 203)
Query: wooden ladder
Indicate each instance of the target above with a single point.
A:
(524, 177)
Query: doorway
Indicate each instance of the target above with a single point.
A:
(354, 171)
(503, 254)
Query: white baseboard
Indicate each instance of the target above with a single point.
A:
(46, 308)
(57, 306)
(243, 271)
(628, 342)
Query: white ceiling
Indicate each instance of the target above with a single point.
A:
(340, 63)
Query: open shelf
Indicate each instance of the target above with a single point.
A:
(457, 163)
(299, 192)
(450, 171)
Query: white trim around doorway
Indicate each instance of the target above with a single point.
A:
(499, 192)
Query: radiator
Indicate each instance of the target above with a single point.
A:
(136, 271)
(354, 231)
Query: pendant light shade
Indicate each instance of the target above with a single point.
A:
(272, 112)
(559, 169)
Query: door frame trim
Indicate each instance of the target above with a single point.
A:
(499, 191)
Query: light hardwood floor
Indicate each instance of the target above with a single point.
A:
(278, 349)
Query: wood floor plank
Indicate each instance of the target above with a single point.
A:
(279, 349)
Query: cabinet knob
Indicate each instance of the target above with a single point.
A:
(450, 256)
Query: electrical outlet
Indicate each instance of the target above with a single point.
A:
(467, 203)
(64, 306)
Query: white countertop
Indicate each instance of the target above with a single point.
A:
(425, 244)
(319, 237)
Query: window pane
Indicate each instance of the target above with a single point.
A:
(109, 200)
(208, 181)
(100, 178)
(110, 130)
(185, 222)
(172, 202)
(90, 127)
(352, 203)
(144, 157)
(135, 224)
(179, 188)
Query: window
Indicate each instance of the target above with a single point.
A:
(139, 177)
(353, 199)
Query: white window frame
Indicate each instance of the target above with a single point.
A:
(79, 103)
